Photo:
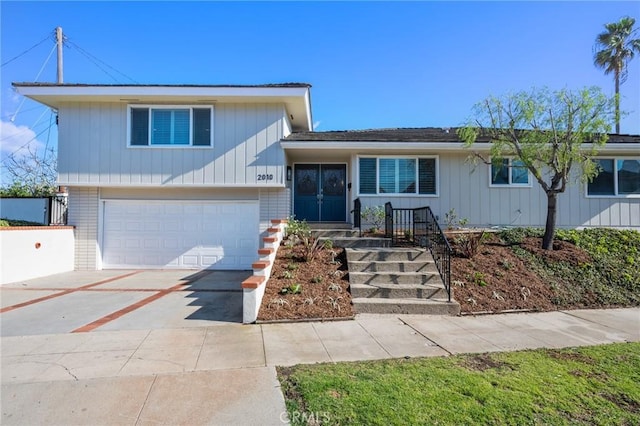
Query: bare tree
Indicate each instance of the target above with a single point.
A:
(32, 174)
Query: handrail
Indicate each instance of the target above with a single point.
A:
(357, 215)
(419, 227)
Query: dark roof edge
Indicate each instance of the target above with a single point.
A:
(276, 85)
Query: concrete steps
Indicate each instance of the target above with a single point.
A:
(397, 281)
(349, 238)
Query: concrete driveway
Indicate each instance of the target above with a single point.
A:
(167, 347)
(121, 300)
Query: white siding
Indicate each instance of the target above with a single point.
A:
(83, 214)
(274, 204)
(468, 192)
(93, 149)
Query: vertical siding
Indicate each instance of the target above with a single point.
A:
(468, 192)
(93, 149)
(83, 214)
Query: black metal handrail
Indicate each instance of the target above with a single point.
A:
(58, 209)
(419, 227)
(357, 215)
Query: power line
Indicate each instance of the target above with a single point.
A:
(95, 60)
(46, 61)
(28, 142)
(26, 51)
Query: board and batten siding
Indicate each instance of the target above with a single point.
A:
(93, 149)
(467, 190)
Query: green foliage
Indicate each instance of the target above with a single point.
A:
(478, 278)
(19, 189)
(15, 222)
(611, 278)
(452, 221)
(291, 266)
(297, 229)
(468, 244)
(374, 216)
(588, 385)
(317, 279)
(287, 274)
(549, 132)
(292, 289)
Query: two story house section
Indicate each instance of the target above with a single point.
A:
(173, 176)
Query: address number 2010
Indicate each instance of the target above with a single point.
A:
(265, 177)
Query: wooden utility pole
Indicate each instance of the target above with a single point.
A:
(59, 43)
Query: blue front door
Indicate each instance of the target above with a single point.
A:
(319, 192)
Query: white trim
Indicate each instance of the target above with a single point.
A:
(510, 184)
(398, 194)
(152, 107)
(615, 195)
(167, 185)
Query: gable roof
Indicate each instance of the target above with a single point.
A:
(420, 134)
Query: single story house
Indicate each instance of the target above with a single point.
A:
(189, 176)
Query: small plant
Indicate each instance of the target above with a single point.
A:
(292, 289)
(374, 215)
(312, 248)
(497, 296)
(469, 243)
(278, 302)
(472, 301)
(297, 229)
(309, 300)
(452, 221)
(458, 283)
(291, 267)
(287, 275)
(317, 279)
(334, 287)
(335, 302)
(327, 244)
(525, 292)
(505, 264)
(333, 258)
(478, 278)
(408, 235)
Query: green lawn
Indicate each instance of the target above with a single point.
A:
(590, 385)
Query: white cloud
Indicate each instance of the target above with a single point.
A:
(316, 124)
(14, 137)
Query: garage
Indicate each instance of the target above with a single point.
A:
(179, 234)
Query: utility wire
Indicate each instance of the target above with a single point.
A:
(26, 51)
(46, 61)
(95, 60)
(28, 142)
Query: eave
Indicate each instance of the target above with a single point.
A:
(295, 97)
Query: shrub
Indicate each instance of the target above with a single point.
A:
(375, 216)
(468, 244)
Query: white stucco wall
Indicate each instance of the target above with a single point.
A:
(32, 252)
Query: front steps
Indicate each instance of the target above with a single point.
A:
(387, 280)
(347, 237)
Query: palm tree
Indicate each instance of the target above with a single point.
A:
(614, 48)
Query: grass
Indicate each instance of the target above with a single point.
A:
(590, 385)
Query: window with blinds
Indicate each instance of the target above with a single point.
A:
(387, 175)
(164, 126)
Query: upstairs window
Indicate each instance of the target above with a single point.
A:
(170, 126)
(386, 175)
(509, 172)
(617, 177)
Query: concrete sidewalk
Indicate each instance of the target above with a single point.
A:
(225, 374)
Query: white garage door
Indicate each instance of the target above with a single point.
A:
(180, 234)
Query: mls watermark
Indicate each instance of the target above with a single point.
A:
(313, 418)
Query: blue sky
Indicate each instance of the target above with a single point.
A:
(371, 64)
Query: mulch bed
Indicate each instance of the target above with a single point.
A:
(324, 284)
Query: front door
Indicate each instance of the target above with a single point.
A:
(319, 192)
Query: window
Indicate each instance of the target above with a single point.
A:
(617, 177)
(170, 126)
(386, 175)
(509, 172)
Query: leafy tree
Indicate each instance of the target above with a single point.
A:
(614, 48)
(549, 132)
